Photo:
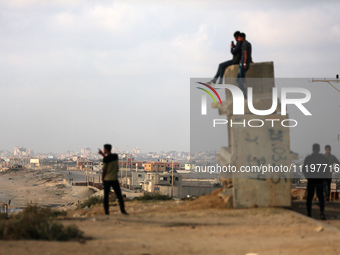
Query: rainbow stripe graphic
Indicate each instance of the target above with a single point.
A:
(212, 89)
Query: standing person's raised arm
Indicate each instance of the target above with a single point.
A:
(100, 152)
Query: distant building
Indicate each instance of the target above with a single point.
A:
(22, 151)
(154, 167)
(137, 179)
(162, 166)
(75, 158)
(83, 164)
(85, 151)
(5, 154)
(162, 183)
(128, 162)
(136, 150)
(190, 167)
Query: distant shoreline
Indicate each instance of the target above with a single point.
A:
(40, 187)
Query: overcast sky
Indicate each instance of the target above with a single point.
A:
(83, 73)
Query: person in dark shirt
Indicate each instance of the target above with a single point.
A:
(332, 161)
(246, 59)
(315, 169)
(236, 51)
(110, 178)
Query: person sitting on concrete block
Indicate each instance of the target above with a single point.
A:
(244, 64)
(236, 51)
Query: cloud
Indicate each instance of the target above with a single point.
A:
(67, 59)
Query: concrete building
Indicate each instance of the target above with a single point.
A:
(190, 167)
(162, 183)
(97, 167)
(84, 164)
(137, 179)
(152, 166)
(128, 162)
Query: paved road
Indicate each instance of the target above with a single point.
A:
(80, 176)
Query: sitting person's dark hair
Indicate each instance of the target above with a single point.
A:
(243, 35)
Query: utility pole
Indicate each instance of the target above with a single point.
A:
(87, 183)
(130, 172)
(126, 168)
(172, 178)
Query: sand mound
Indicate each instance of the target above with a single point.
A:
(209, 201)
(81, 192)
(298, 194)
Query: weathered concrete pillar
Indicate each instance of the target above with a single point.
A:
(264, 146)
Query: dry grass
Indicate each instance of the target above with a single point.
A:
(37, 223)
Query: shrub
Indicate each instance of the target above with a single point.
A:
(150, 196)
(37, 223)
(94, 200)
(217, 184)
(3, 216)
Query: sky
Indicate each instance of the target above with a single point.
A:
(83, 73)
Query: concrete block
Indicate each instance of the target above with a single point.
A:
(226, 153)
(267, 145)
(261, 147)
(260, 77)
(227, 199)
(256, 70)
(264, 103)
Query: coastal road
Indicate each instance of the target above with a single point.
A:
(80, 176)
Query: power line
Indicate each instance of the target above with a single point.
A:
(329, 81)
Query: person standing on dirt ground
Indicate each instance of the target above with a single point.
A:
(110, 178)
(332, 161)
(315, 179)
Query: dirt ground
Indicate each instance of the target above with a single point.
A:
(39, 187)
(332, 211)
(202, 226)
